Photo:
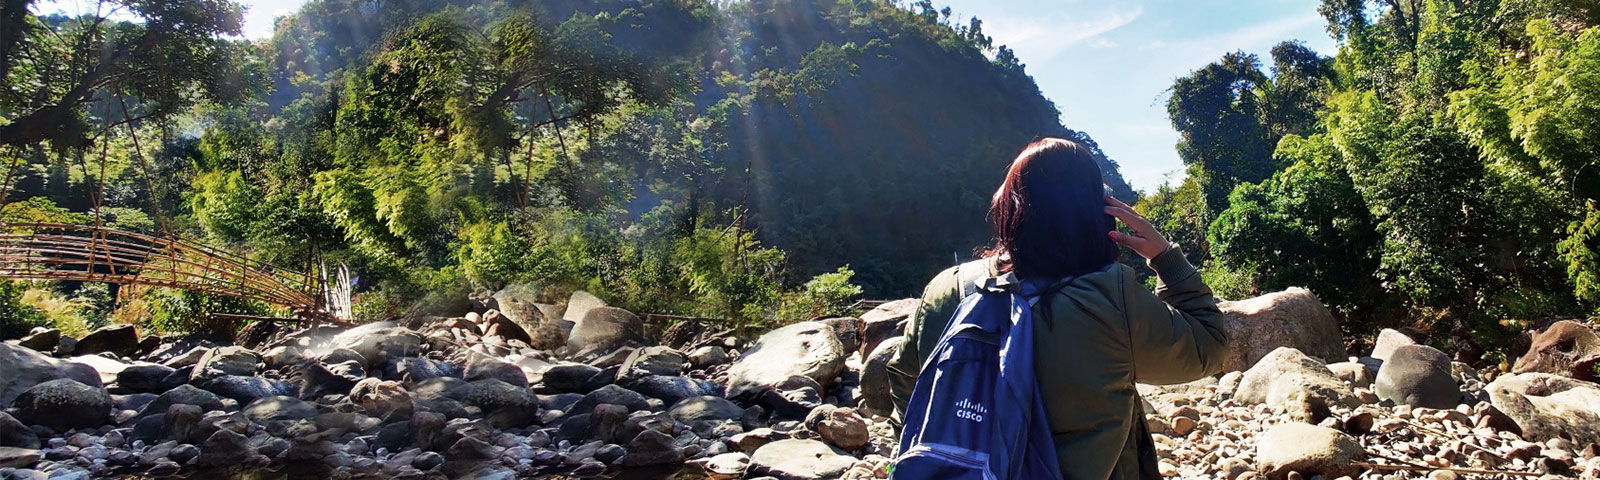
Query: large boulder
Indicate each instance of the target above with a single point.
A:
(706, 408)
(1388, 340)
(147, 378)
(105, 366)
(377, 342)
(876, 396)
(42, 339)
(795, 459)
(63, 404)
(122, 340)
(579, 305)
(1417, 375)
(1291, 318)
(1309, 450)
(886, 321)
(279, 408)
(22, 368)
(809, 349)
(185, 395)
(841, 427)
(504, 405)
(1566, 348)
(655, 361)
(1547, 406)
(604, 329)
(519, 304)
(226, 361)
(671, 389)
(1290, 380)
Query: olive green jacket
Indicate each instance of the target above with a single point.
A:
(1100, 334)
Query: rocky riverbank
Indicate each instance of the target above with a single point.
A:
(521, 389)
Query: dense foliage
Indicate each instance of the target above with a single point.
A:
(672, 156)
(1441, 171)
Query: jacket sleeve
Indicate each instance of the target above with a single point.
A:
(1177, 333)
(907, 362)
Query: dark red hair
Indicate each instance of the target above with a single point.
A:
(1049, 215)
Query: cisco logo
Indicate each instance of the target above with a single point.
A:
(969, 410)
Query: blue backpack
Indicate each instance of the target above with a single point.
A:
(976, 412)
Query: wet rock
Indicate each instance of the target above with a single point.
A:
(63, 404)
(1291, 318)
(808, 349)
(1289, 380)
(604, 329)
(1417, 375)
(122, 340)
(651, 447)
(671, 390)
(379, 341)
(184, 394)
(654, 361)
(1547, 406)
(413, 369)
(42, 339)
(1308, 450)
(876, 396)
(796, 459)
(279, 408)
(25, 368)
(841, 427)
(1566, 348)
(246, 389)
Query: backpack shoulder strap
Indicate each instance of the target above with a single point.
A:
(969, 274)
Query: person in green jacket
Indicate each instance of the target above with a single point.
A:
(1102, 331)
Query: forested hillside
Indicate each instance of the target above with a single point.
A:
(1440, 171)
(671, 156)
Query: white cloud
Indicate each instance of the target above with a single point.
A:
(1040, 38)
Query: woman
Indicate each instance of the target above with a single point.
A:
(1099, 333)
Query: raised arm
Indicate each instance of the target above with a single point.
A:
(1177, 333)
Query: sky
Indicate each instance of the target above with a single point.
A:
(1106, 64)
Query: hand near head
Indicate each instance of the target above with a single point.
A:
(1144, 240)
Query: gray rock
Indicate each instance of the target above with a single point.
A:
(220, 361)
(146, 378)
(1353, 373)
(1291, 318)
(279, 408)
(796, 459)
(317, 380)
(1388, 340)
(518, 304)
(188, 358)
(14, 434)
(1547, 406)
(651, 447)
(379, 341)
(604, 329)
(876, 395)
(579, 305)
(655, 361)
(708, 356)
(809, 349)
(671, 390)
(503, 404)
(284, 356)
(122, 340)
(1417, 375)
(1289, 380)
(569, 378)
(226, 448)
(25, 368)
(11, 457)
(841, 427)
(728, 465)
(1309, 450)
(183, 394)
(706, 408)
(886, 321)
(42, 339)
(414, 370)
(482, 367)
(612, 394)
(246, 389)
(63, 404)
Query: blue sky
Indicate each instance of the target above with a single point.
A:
(1106, 64)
